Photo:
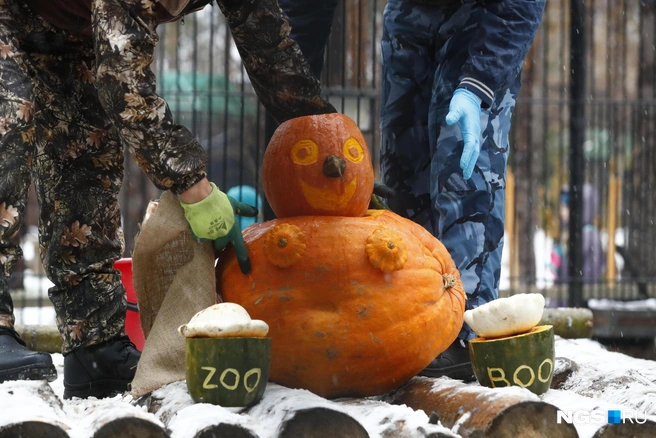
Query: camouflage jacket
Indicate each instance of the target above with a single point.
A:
(276, 67)
(75, 15)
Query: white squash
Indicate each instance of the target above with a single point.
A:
(224, 320)
(506, 316)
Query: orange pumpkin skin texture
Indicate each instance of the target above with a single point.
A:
(318, 165)
(339, 325)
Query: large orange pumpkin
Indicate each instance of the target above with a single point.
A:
(318, 165)
(356, 306)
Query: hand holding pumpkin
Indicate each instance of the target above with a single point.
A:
(213, 219)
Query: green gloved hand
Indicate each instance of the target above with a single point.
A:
(213, 219)
(380, 191)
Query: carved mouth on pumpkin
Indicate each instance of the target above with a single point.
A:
(327, 199)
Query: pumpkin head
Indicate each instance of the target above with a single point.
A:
(356, 306)
(318, 165)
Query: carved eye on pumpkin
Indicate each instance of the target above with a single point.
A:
(305, 152)
(353, 150)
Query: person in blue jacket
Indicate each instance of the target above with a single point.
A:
(451, 75)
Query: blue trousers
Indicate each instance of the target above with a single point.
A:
(423, 51)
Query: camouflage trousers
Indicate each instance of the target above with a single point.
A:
(423, 51)
(54, 132)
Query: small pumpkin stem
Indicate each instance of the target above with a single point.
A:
(391, 245)
(449, 281)
(282, 242)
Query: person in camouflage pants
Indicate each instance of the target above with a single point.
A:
(70, 101)
(435, 52)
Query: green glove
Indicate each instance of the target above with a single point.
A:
(213, 219)
(380, 191)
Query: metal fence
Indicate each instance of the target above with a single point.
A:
(580, 213)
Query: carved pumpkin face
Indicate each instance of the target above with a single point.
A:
(318, 165)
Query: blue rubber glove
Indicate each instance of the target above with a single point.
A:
(465, 110)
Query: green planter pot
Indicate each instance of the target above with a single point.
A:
(230, 372)
(525, 360)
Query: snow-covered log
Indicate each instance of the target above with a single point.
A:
(382, 419)
(285, 412)
(569, 322)
(32, 428)
(563, 370)
(129, 426)
(111, 420)
(624, 430)
(320, 422)
(41, 337)
(173, 406)
(472, 410)
(225, 430)
(45, 416)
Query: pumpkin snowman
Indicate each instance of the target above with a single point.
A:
(357, 301)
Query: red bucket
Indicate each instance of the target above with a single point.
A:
(132, 323)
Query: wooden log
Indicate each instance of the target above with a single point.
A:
(35, 428)
(31, 409)
(563, 369)
(472, 410)
(320, 422)
(627, 430)
(290, 412)
(393, 421)
(225, 431)
(130, 427)
(569, 322)
(172, 403)
(121, 421)
(44, 338)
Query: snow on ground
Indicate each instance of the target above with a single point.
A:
(605, 380)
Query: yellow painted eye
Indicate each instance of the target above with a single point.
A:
(305, 152)
(353, 150)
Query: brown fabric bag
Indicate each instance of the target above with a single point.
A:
(173, 276)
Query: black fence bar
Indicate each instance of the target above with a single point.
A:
(576, 159)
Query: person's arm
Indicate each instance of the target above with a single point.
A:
(496, 54)
(124, 36)
(276, 67)
(502, 40)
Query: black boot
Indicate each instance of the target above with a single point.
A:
(17, 362)
(101, 370)
(453, 363)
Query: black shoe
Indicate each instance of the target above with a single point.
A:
(101, 370)
(17, 362)
(453, 363)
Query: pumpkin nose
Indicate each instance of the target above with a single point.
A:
(333, 167)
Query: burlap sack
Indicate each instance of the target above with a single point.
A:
(173, 277)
